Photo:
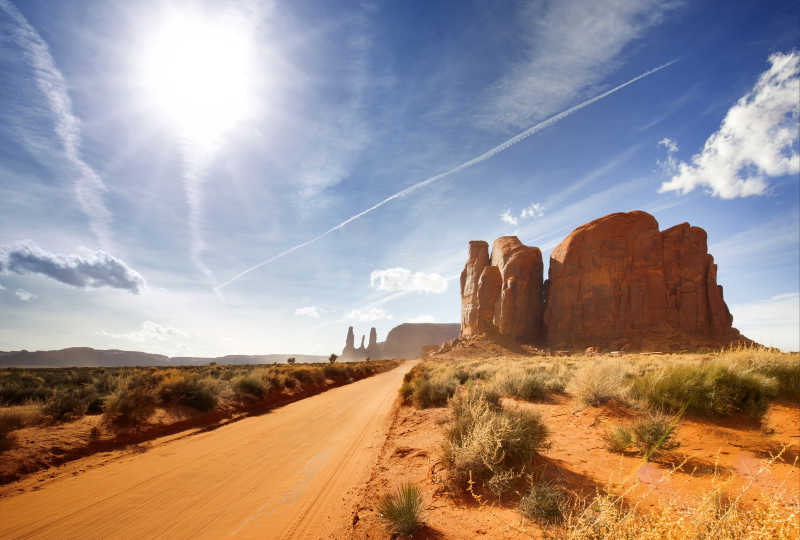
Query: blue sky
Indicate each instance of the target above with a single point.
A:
(173, 175)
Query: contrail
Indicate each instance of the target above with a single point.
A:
(474, 161)
(89, 187)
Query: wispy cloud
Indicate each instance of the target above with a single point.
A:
(756, 141)
(569, 47)
(403, 279)
(24, 295)
(308, 311)
(97, 269)
(368, 314)
(422, 319)
(774, 321)
(467, 164)
(89, 187)
(507, 218)
(150, 332)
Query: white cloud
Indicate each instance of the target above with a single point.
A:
(534, 210)
(89, 187)
(756, 141)
(95, 269)
(308, 311)
(403, 279)
(669, 144)
(506, 217)
(24, 295)
(774, 322)
(1, 287)
(372, 313)
(422, 319)
(150, 332)
(570, 46)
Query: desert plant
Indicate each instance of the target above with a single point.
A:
(432, 392)
(618, 439)
(653, 433)
(712, 389)
(290, 360)
(132, 402)
(332, 358)
(483, 441)
(599, 382)
(69, 404)
(521, 384)
(9, 421)
(402, 509)
(544, 502)
(250, 387)
(190, 391)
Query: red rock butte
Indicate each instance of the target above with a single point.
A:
(614, 283)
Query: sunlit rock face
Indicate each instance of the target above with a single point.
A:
(616, 282)
(403, 341)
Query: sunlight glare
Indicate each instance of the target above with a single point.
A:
(196, 74)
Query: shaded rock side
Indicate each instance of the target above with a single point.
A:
(408, 339)
(620, 282)
(373, 347)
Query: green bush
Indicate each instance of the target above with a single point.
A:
(402, 510)
(600, 381)
(484, 442)
(520, 384)
(618, 439)
(711, 389)
(787, 375)
(132, 402)
(543, 502)
(69, 404)
(250, 387)
(190, 392)
(653, 433)
(432, 392)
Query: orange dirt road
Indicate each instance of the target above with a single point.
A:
(290, 473)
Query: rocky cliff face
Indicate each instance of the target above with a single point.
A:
(403, 341)
(615, 282)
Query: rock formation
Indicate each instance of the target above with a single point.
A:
(349, 350)
(615, 282)
(373, 349)
(403, 341)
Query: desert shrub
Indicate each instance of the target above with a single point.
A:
(787, 375)
(544, 502)
(18, 387)
(432, 392)
(711, 389)
(618, 439)
(132, 402)
(653, 433)
(335, 372)
(599, 382)
(483, 441)
(521, 384)
(406, 391)
(250, 387)
(401, 510)
(68, 404)
(309, 377)
(190, 391)
(9, 421)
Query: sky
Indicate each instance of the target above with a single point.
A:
(211, 178)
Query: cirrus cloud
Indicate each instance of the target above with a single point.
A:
(756, 141)
(92, 270)
(368, 314)
(24, 295)
(403, 279)
(308, 311)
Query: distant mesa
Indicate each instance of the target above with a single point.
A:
(614, 283)
(404, 341)
(88, 357)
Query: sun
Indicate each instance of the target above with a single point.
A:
(196, 74)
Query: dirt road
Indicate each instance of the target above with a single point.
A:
(287, 474)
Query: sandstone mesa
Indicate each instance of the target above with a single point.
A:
(615, 283)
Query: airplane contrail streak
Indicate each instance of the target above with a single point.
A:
(474, 161)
